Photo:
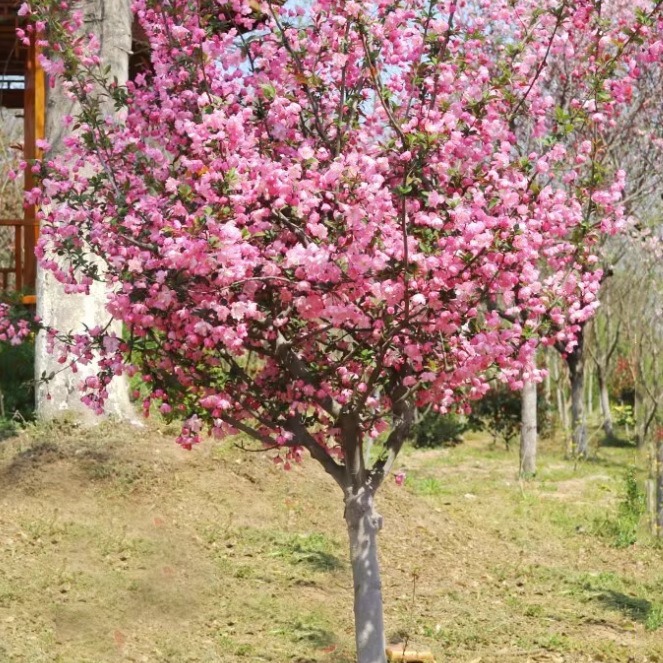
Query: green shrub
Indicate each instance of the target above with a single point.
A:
(17, 362)
(622, 415)
(499, 413)
(439, 430)
(17, 390)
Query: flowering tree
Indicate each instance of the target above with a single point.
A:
(314, 221)
(629, 138)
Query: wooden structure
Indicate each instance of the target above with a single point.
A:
(400, 654)
(22, 87)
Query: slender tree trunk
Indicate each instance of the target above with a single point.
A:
(590, 394)
(111, 21)
(528, 433)
(658, 464)
(604, 399)
(560, 395)
(561, 407)
(364, 524)
(576, 364)
(639, 417)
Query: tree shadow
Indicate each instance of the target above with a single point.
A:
(9, 428)
(616, 442)
(608, 463)
(41, 453)
(24, 465)
(316, 560)
(638, 610)
(312, 634)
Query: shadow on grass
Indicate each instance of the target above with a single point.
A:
(638, 610)
(308, 552)
(81, 447)
(41, 453)
(314, 635)
(607, 463)
(616, 442)
(9, 428)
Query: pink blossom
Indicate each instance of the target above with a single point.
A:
(286, 238)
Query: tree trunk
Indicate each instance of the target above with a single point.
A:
(639, 417)
(604, 398)
(576, 364)
(658, 464)
(364, 523)
(528, 432)
(556, 372)
(111, 21)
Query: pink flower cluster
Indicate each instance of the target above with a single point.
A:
(13, 330)
(312, 215)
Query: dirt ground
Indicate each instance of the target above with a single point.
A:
(115, 545)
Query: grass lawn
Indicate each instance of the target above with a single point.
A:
(115, 545)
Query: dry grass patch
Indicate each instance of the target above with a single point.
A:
(119, 546)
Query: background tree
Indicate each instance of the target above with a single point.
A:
(529, 432)
(627, 139)
(313, 230)
(603, 343)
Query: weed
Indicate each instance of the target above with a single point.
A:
(534, 610)
(654, 619)
(553, 642)
(244, 650)
(119, 545)
(311, 630)
(243, 572)
(7, 596)
(622, 530)
(313, 550)
(425, 486)
(593, 582)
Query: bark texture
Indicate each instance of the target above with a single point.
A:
(111, 21)
(560, 393)
(576, 364)
(658, 464)
(604, 399)
(364, 524)
(528, 432)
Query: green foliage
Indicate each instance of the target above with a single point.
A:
(499, 413)
(654, 618)
(426, 486)
(17, 391)
(17, 365)
(623, 415)
(440, 430)
(622, 530)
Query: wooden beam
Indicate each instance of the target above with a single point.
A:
(12, 98)
(34, 114)
(18, 257)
